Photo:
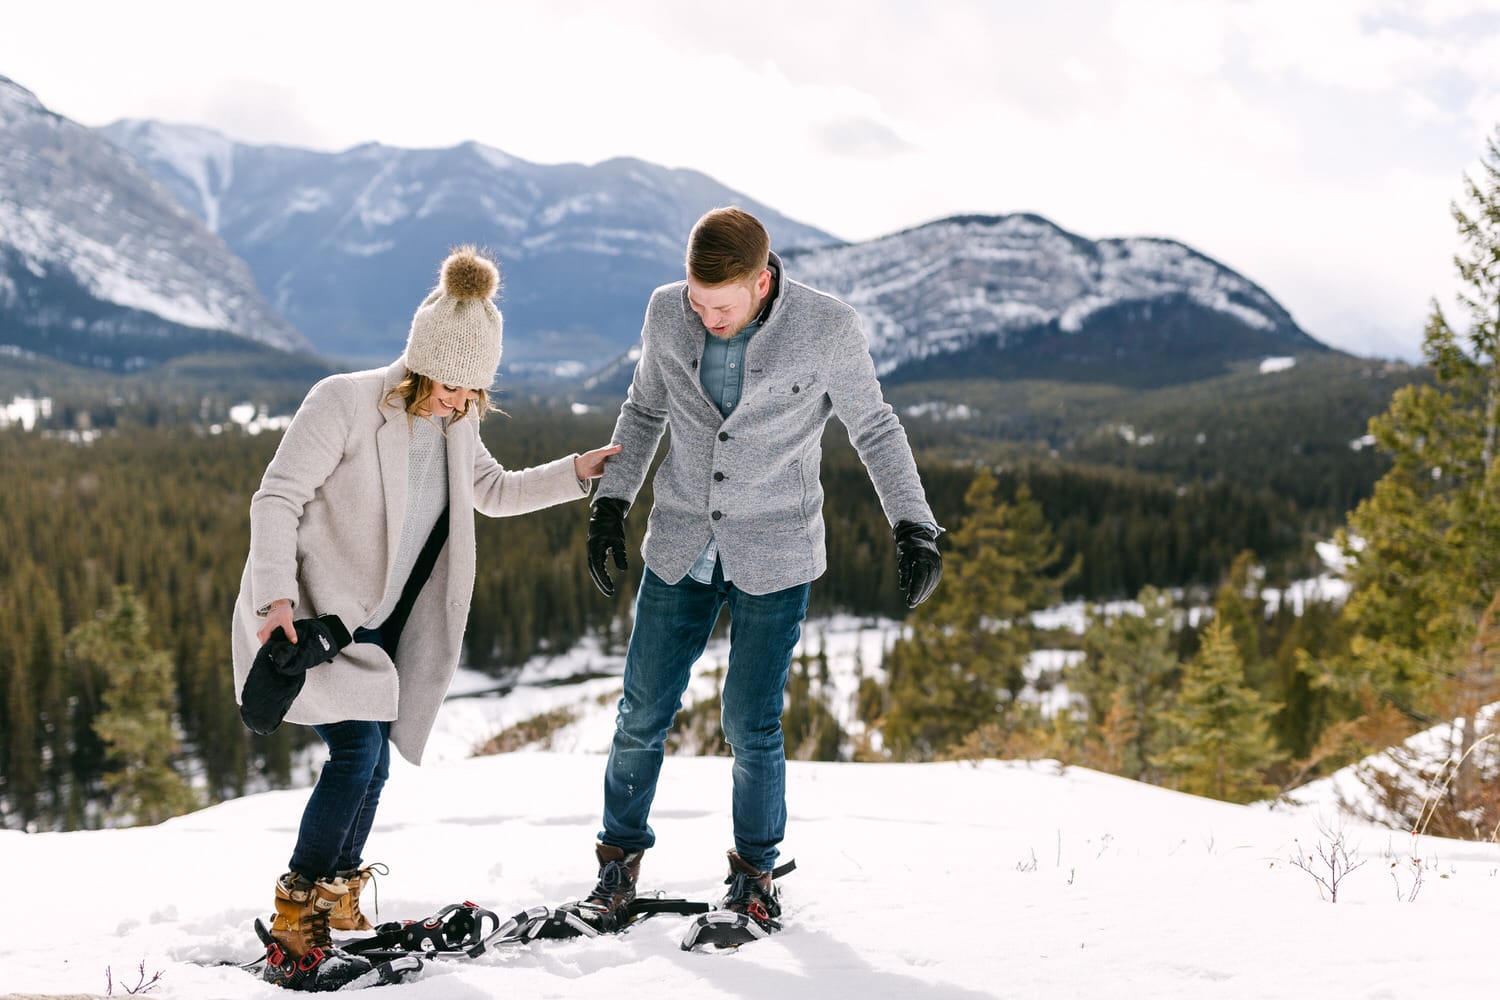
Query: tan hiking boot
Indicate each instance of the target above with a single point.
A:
(302, 911)
(346, 915)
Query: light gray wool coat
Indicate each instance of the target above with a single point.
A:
(752, 477)
(324, 526)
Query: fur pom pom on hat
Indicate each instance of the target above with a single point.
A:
(456, 332)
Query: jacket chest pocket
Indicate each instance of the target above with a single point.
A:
(793, 387)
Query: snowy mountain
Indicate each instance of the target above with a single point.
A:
(346, 244)
(99, 265)
(1016, 294)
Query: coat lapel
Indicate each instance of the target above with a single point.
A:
(393, 445)
(462, 445)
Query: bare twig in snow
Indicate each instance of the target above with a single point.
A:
(1333, 863)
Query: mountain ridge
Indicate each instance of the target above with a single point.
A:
(580, 244)
(338, 246)
(1019, 294)
(98, 265)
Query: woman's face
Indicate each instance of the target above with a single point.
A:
(446, 400)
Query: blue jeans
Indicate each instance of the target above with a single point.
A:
(341, 809)
(673, 623)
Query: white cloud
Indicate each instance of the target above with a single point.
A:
(1313, 145)
(1170, 39)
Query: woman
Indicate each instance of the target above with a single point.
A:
(374, 468)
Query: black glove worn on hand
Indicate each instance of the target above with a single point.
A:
(281, 666)
(607, 534)
(919, 564)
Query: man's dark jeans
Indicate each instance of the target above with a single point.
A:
(673, 623)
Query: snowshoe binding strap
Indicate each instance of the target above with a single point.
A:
(456, 927)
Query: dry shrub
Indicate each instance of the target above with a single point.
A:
(536, 731)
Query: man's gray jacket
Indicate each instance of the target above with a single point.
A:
(751, 478)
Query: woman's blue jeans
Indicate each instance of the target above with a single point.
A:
(673, 622)
(341, 809)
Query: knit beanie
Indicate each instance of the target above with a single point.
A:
(455, 334)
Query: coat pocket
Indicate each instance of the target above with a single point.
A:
(793, 386)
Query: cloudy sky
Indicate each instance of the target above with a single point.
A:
(1313, 145)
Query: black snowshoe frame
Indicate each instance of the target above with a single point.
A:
(578, 920)
(724, 928)
(455, 928)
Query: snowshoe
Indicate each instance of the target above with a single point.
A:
(324, 970)
(750, 911)
(455, 928)
(590, 920)
(578, 919)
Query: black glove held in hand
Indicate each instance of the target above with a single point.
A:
(281, 666)
(607, 534)
(919, 564)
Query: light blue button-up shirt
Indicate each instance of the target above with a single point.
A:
(722, 372)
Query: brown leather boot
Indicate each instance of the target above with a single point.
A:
(615, 890)
(346, 915)
(302, 910)
(751, 891)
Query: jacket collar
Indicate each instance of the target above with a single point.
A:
(778, 285)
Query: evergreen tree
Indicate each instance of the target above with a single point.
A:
(1425, 547)
(21, 757)
(1127, 677)
(1223, 743)
(1300, 635)
(136, 723)
(810, 729)
(1239, 606)
(964, 663)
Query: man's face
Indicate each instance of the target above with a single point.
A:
(727, 309)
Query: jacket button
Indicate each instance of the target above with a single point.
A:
(718, 514)
(796, 388)
(718, 477)
(723, 435)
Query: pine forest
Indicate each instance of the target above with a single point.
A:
(124, 548)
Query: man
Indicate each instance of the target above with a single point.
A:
(745, 366)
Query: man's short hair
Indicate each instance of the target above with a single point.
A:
(727, 245)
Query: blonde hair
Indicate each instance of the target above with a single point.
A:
(413, 392)
(727, 245)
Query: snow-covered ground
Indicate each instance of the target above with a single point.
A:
(941, 881)
(933, 881)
